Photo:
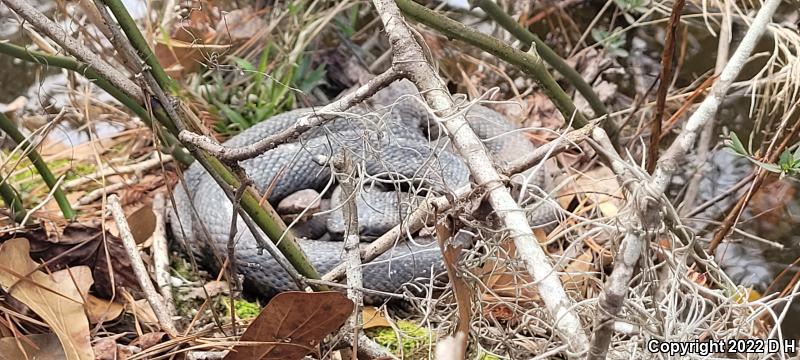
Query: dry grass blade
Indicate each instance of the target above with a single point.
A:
(58, 303)
(292, 325)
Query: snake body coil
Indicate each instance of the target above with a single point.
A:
(395, 148)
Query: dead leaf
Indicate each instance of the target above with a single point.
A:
(505, 280)
(150, 339)
(105, 349)
(4, 330)
(373, 318)
(59, 304)
(101, 310)
(39, 346)
(600, 185)
(240, 24)
(142, 223)
(108, 349)
(292, 325)
(142, 310)
(577, 273)
(446, 232)
(80, 244)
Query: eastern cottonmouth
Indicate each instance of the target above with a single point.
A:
(393, 140)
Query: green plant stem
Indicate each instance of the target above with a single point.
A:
(86, 71)
(548, 55)
(139, 43)
(13, 202)
(9, 128)
(264, 216)
(530, 63)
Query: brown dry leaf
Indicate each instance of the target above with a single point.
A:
(105, 349)
(240, 24)
(770, 202)
(59, 304)
(80, 244)
(181, 52)
(108, 349)
(80, 276)
(577, 275)
(142, 222)
(446, 230)
(150, 339)
(542, 112)
(506, 282)
(142, 310)
(101, 310)
(600, 185)
(4, 330)
(292, 325)
(499, 311)
(39, 346)
(374, 318)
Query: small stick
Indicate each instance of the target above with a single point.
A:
(305, 123)
(663, 85)
(160, 253)
(98, 193)
(139, 269)
(233, 269)
(346, 175)
(133, 168)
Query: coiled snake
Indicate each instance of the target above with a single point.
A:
(396, 148)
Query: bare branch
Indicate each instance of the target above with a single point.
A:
(409, 60)
(139, 270)
(346, 175)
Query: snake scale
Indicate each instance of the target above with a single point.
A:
(395, 143)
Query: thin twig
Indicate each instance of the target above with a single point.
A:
(302, 125)
(156, 302)
(663, 85)
(160, 253)
(668, 163)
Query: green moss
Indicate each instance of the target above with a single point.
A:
(246, 309)
(413, 339)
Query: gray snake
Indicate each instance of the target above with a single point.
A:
(396, 148)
